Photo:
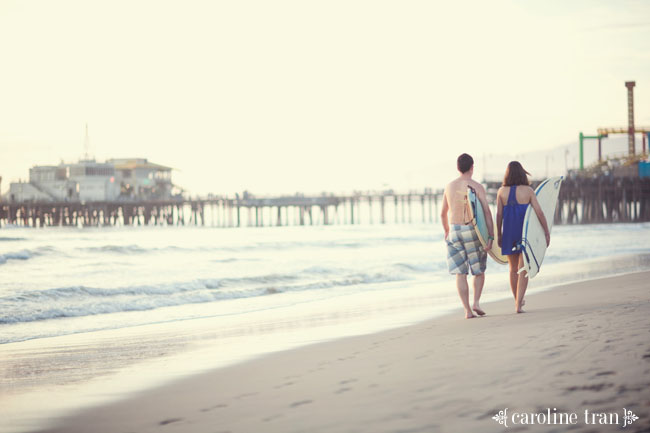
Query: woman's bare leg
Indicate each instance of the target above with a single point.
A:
(513, 261)
(522, 285)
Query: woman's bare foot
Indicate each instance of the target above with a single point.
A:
(478, 311)
(518, 307)
(469, 315)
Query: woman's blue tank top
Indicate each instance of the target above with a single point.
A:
(513, 222)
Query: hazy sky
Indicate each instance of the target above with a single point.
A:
(285, 96)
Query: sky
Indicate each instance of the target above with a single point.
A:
(282, 96)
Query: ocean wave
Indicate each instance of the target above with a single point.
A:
(11, 239)
(80, 301)
(337, 243)
(18, 255)
(418, 267)
(25, 254)
(321, 270)
(259, 246)
(139, 249)
(228, 260)
(125, 249)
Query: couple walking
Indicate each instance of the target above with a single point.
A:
(464, 250)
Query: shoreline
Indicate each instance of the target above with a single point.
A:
(322, 377)
(635, 263)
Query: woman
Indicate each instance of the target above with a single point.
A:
(513, 199)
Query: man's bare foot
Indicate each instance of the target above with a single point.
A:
(469, 315)
(478, 311)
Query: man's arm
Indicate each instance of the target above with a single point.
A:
(443, 214)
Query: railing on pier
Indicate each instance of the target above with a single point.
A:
(581, 200)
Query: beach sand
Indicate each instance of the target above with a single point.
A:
(582, 346)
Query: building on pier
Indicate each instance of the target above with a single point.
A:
(90, 181)
(46, 183)
(144, 180)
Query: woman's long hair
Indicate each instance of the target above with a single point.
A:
(515, 174)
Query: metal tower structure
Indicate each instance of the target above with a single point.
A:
(87, 145)
(630, 117)
(630, 130)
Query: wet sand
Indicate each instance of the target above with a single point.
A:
(582, 346)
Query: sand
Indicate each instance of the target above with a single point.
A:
(582, 346)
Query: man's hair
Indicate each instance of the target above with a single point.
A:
(515, 174)
(464, 163)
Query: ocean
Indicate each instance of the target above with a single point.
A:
(90, 315)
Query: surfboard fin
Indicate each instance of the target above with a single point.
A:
(523, 268)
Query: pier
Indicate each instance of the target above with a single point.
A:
(581, 201)
(603, 199)
(230, 212)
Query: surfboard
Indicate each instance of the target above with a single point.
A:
(532, 236)
(477, 215)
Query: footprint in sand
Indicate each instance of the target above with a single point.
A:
(219, 406)
(426, 389)
(556, 348)
(300, 403)
(595, 388)
(170, 421)
(599, 402)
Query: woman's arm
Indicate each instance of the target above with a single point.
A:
(499, 215)
(540, 215)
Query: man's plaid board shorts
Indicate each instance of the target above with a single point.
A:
(464, 251)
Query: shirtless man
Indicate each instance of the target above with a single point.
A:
(464, 250)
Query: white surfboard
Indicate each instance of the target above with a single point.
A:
(532, 236)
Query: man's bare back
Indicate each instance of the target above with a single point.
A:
(455, 208)
(455, 194)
